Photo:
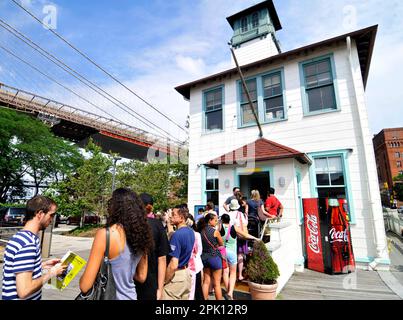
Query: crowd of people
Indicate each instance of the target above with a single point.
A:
(171, 255)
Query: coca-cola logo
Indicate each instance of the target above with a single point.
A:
(313, 236)
(338, 236)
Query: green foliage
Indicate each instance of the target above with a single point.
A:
(167, 183)
(398, 189)
(80, 231)
(27, 146)
(89, 188)
(14, 205)
(261, 268)
(398, 178)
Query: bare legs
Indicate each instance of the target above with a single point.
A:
(206, 282)
(213, 276)
(225, 277)
(240, 267)
(232, 280)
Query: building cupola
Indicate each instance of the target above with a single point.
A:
(255, 32)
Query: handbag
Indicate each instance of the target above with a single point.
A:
(104, 287)
(221, 249)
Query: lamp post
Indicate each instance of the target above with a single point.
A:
(115, 159)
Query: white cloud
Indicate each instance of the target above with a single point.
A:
(196, 67)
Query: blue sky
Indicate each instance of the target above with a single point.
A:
(156, 45)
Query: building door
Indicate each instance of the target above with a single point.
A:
(256, 181)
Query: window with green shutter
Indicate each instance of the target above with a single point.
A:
(273, 97)
(319, 86)
(247, 116)
(213, 109)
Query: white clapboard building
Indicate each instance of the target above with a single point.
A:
(316, 139)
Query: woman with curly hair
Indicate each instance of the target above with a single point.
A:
(130, 243)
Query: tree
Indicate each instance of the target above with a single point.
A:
(28, 147)
(167, 183)
(398, 187)
(87, 189)
(143, 177)
(51, 158)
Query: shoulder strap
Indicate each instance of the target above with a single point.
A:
(205, 236)
(228, 232)
(107, 243)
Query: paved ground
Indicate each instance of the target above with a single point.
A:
(60, 245)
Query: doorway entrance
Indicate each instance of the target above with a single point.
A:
(256, 181)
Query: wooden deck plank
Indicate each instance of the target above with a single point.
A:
(311, 285)
(359, 287)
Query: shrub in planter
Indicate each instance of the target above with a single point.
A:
(262, 272)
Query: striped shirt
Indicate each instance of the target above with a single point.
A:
(22, 254)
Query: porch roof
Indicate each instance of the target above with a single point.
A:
(260, 150)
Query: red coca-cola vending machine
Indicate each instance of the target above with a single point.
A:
(313, 236)
(327, 236)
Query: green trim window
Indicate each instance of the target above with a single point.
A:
(255, 20)
(319, 85)
(331, 181)
(397, 154)
(213, 109)
(273, 97)
(244, 24)
(267, 92)
(212, 185)
(246, 112)
(329, 172)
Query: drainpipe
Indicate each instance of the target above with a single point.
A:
(377, 234)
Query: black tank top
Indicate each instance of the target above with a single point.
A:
(207, 247)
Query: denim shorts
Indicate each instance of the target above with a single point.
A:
(212, 262)
(232, 258)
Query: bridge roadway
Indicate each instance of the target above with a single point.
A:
(79, 126)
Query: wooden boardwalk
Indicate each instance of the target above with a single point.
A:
(360, 285)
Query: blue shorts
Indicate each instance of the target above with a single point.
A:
(212, 262)
(232, 258)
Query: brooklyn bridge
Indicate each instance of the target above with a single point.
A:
(78, 126)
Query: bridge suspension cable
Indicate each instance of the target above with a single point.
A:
(81, 78)
(54, 80)
(97, 65)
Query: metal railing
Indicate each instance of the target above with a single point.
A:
(393, 221)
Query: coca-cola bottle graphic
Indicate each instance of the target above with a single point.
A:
(340, 237)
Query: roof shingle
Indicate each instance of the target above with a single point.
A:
(260, 150)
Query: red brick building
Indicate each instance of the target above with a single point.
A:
(388, 146)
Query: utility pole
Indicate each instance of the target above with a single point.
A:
(246, 91)
(115, 159)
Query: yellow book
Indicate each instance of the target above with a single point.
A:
(74, 264)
